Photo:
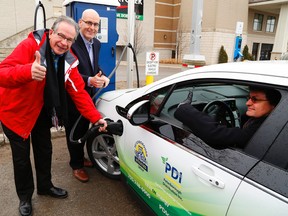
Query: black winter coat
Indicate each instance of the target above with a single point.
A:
(213, 133)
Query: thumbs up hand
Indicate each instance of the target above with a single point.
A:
(38, 71)
(99, 80)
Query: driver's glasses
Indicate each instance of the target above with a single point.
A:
(255, 99)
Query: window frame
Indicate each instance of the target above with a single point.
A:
(270, 24)
(258, 22)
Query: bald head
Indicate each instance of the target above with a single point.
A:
(89, 24)
(89, 13)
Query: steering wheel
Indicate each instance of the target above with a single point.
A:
(219, 111)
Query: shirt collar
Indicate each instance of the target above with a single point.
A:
(87, 43)
(55, 56)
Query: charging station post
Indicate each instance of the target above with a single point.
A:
(238, 41)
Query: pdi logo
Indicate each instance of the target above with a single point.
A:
(172, 171)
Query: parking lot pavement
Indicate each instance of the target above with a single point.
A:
(99, 196)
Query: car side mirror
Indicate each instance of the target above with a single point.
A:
(139, 113)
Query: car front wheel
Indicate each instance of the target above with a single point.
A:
(101, 149)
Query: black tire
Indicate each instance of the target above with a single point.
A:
(101, 149)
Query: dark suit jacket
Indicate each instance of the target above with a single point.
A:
(86, 70)
(214, 134)
(85, 66)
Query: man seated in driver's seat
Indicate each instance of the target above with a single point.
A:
(260, 104)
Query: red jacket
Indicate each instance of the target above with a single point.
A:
(21, 98)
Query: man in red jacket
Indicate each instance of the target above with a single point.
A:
(34, 81)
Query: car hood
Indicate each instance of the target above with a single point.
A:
(112, 95)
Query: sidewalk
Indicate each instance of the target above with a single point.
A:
(124, 63)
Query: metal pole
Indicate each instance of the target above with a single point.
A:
(40, 17)
(131, 27)
(194, 58)
(196, 27)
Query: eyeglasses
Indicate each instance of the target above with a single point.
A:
(63, 37)
(89, 23)
(254, 99)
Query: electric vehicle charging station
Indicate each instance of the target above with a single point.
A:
(237, 48)
(107, 33)
(238, 41)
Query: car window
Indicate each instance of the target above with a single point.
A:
(232, 94)
(275, 163)
(157, 98)
(278, 153)
(262, 141)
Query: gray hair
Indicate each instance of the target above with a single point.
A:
(68, 20)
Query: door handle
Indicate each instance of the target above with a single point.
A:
(208, 178)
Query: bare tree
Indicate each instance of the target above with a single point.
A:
(138, 37)
(181, 39)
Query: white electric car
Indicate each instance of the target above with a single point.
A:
(176, 173)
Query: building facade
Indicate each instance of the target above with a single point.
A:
(167, 27)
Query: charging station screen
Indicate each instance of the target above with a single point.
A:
(102, 34)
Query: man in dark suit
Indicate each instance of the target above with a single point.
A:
(86, 48)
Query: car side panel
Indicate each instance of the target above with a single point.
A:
(265, 189)
(172, 179)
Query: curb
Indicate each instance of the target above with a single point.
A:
(124, 63)
(3, 139)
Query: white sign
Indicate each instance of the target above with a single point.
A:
(152, 63)
(239, 28)
(102, 34)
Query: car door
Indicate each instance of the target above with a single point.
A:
(172, 179)
(264, 190)
(174, 171)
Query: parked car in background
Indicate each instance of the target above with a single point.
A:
(176, 173)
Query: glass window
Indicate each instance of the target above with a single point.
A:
(201, 95)
(257, 23)
(255, 49)
(156, 99)
(270, 24)
(275, 163)
(266, 50)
